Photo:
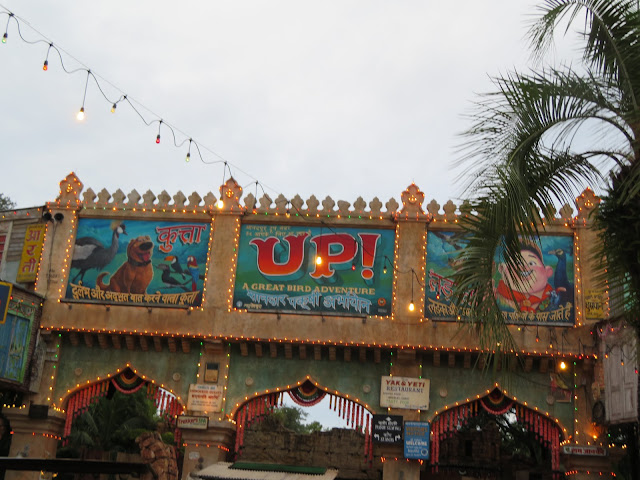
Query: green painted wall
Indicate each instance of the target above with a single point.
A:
(348, 378)
(448, 384)
(96, 362)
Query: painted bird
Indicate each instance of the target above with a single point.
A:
(175, 265)
(89, 252)
(167, 279)
(192, 266)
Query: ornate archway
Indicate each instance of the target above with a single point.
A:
(306, 394)
(449, 423)
(126, 382)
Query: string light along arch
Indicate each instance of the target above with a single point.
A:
(547, 430)
(126, 380)
(307, 392)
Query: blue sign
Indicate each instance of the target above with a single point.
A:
(416, 440)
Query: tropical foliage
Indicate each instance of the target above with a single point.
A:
(112, 425)
(291, 418)
(540, 139)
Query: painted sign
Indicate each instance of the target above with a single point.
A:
(593, 304)
(314, 270)
(387, 429)
(31, 250)
(416, 440)
(191, 422)
(545, 297)
(205, 398)
(139, 262)
(578, 450)
(5, 296)
(15, 335)
(404, 392)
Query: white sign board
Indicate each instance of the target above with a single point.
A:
(404, 392)
(205, 398)
(579, 450)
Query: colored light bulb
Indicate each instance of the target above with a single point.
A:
(158, 139)
(384, 269)
(188, 156)
(45, 67)
(113, 108)
(220, 203)
(412, 307)
(80, 115)
(4, 37)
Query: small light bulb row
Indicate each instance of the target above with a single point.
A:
(234, 267)
(284, 388)
(107, 376)
(226, 381)
(66, 262)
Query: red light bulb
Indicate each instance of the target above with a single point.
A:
(158, 139)
(45, 67)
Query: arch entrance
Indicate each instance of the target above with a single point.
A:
(252, 416)
(492, 435)
(127, 382)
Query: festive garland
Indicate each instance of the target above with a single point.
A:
(127, 382)
(307, 394)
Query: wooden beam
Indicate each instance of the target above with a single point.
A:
(186, 345)
(317, 352)
(117, 342)
(258, 347)
(377, 355)
(144, 344)
(172, 344)
(103, 341)
(273, 350)
(362, 354)
(347, 354)
(436, 359)
(332, 353)
(157, 343)
(88, 339)
(451, 360)
(130, 342)
(302, 350)
(244, 349)
(74, 338)
(288, 351)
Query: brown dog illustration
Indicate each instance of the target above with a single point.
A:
(134, 275)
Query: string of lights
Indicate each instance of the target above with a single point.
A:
(150, 119)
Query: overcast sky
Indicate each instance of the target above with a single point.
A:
(341, 98)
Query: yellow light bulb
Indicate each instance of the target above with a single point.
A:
(318, 260)
(80, 115)
(220, 203)
(412, 307)
(563, 365)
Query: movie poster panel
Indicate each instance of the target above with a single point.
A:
(139, 262)
(278, 270)
(547, 297)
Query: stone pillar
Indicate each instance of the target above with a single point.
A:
(32, 438)
(206, 447)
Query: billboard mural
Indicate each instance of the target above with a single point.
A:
(139, 262)
(546, 295)
(315, 270)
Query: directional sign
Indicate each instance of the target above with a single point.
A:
(387, 429)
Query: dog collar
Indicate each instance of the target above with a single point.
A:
(138, 264)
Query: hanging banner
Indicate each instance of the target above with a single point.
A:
(345, 271)
(545, 297)
(136, 262)
(404, 392)
(416, 440)
(387, 429)
(31, 250)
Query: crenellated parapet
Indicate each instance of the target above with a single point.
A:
(231, 200)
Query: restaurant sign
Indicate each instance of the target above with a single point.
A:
(404, 392)
(192, 422)
(315, 270)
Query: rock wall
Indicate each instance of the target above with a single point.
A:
(342, 449)
(160, 457)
